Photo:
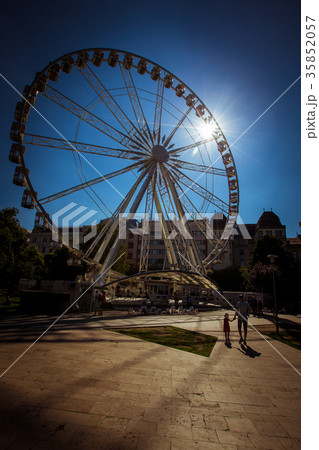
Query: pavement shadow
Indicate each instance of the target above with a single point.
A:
(248, 351)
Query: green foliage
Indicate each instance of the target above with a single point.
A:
(57, 267)
(17, 258)
(231, 279)
(122, 265)
(10, 307)
(266, 246)
(287, 273)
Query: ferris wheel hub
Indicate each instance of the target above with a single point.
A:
(160, 154)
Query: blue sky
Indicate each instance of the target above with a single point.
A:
(238, 57)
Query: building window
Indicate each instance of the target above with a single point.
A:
(278, 233)
(269, 232)
(156, 242)
(260, 234)
(34, 239)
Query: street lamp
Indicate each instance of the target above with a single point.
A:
(272, 262)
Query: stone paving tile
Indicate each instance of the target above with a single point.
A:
(290, 443)
(182, 444)
(151, 442)
(204, 434)
(104, 408)
(265, 442)
(293, 427)
(125, 412)
(241, 425)
(71, 417)
(234, 438)
(272, 411)
(270, 428)
(166, 428)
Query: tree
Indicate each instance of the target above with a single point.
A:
(287, 272)
(17, 258)
(231, 279)
(122, 265)
(57, 267)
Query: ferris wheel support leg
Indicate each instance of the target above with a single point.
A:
(115, 223)
(191, 248)
(116, 245)
(168, 244)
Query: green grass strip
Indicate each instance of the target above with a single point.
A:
(188, 341)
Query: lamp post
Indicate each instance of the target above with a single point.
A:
(272, 262)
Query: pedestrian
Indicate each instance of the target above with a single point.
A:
(260, 307)
(144, 308)
(97, 302)
(242, 311)
(176, 300)
(102, 300)
(227, 327)
(254, 306)
(76, 308)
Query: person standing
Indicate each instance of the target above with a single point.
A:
(226, 328)
(242, 311)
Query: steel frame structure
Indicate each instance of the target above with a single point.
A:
(164, 178)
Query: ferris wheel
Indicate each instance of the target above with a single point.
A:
(121, 134)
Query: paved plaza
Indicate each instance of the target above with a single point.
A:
(83, 386)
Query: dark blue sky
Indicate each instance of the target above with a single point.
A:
(237, 56)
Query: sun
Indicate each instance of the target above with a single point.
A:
(207, 129)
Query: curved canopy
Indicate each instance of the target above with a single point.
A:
(168, 276)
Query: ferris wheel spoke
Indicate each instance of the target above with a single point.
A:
(199, 220)
(148, 175)
(112, 223)
(180, 164)
(170, 204)
(80, 147)
(90, 118)
(201, 191)
(190, 247)
(171, 256)
(158, 110)
(144, 130)
(170, 137)
(190, 146)
(111, 104)
(145, 242)
(89, 183)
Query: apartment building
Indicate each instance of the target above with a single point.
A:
(236, 253)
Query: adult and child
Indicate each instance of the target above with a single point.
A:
(241, 312)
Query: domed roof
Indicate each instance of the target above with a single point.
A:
(269, 219)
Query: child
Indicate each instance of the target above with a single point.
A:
(227, 327)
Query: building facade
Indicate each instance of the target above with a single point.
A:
(236, 253)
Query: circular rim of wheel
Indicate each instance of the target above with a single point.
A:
(205, 115)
